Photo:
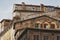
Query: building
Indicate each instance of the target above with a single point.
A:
(36, 22)
(6, 30)
(32, 22)
(0, 27)
(25, 11)
(43, 26)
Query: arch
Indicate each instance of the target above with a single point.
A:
(53, 24)
(46, 25)
(38, 24)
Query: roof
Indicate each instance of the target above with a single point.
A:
(39, 17)
(6, 20)
(38, 5)
(28, 5)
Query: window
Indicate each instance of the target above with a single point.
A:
(2, 28)
(45, 25)
(45, 38)
(52, 26)
(38, 25)
(58, 15)
(33, 8)
(50, 8)
(36, 37)
(58, 37)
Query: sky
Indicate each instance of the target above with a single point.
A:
(6, 6)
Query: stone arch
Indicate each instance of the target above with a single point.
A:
(38, 24)
(54, 23)
(46, 24)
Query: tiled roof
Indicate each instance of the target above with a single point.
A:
(6, 20)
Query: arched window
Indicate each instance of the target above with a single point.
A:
(38, 25)
(52, 26)
(46, 25)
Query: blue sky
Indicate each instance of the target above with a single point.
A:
(6, 6)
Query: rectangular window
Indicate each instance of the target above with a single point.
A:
(45, 38)
(50, 9)
(36, 37)
(58, 37)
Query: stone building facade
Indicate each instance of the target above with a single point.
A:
(25, 11)
(6, 30)
(32, 22)
(39, 34)
(36, 22)
(39, 26)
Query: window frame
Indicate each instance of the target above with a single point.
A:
(38, 25)
(58, 37)
(45, 37)
(50, 9)
(52, 26)
(35, 37)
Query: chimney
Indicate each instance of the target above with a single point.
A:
(23, 6)
(23, 3)
(42, 7)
